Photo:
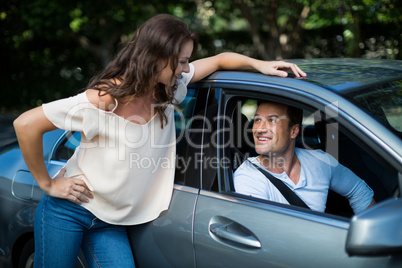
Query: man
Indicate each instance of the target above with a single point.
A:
(308, 173)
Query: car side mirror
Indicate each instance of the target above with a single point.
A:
(376, 231)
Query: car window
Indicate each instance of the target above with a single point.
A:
(184, 112)
(317, 132)
(184, 120)
(384, 102)
(197, 149)
(67, 147)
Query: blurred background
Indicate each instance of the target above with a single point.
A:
(51, 48)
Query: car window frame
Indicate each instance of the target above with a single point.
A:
(232, 91)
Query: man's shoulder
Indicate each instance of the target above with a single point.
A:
(309, 152)
(246, 168)
(247, 163)
(317, 155)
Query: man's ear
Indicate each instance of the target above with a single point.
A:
(294, 131)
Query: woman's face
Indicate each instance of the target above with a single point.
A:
(167, 77)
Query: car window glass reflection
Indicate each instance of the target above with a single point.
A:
(384, 102)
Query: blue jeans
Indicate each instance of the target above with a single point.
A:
(62, 228)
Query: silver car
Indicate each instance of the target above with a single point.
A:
(352, 110)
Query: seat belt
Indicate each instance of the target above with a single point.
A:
(289, 195)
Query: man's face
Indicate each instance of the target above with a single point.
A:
(271, 130)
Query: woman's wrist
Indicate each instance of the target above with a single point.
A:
(45, 183)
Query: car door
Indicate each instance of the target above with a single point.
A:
(232, 230)
(168, 240)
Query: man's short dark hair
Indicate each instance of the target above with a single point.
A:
(295, 114)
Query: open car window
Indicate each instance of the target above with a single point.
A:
(319, 131)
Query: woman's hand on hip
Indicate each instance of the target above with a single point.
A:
(72, 189)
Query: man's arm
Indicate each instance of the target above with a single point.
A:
(349, 185)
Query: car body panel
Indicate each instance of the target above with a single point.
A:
(19, 197)
(332, 74)
(169, 238)
(288, 238)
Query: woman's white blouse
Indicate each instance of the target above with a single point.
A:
(129, 167)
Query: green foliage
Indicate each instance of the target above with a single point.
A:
(51, 48)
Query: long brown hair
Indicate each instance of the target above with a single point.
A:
(137, 66)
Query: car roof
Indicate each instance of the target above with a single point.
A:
(327, 79)
(339, 75)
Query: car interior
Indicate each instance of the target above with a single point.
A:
(318, 132)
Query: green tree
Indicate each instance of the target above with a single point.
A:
(298, 28)
(51, 48)
(361, 24)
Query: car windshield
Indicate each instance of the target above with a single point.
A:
(384, 102)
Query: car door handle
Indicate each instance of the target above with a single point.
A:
(236, 233)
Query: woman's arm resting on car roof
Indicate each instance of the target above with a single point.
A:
(235, 61)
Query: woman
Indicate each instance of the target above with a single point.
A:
(98, 193)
